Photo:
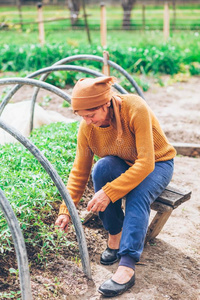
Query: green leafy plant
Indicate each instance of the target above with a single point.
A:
(11, 295)
(32, 194)
(4, 92)
(45, 101)
(65, 104)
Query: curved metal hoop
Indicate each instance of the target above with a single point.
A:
(101, 60)
(63, 61)
(20, 247)
(86, 57)
(63, 191)
(38, 84)
(66, 68)
(33, 82)
(71, 59)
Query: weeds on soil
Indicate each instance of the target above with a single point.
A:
(32, 194)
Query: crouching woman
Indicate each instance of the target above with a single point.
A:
(136, 162)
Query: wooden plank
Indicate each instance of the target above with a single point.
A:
(160, 207)
(187, 149)
(173, 196)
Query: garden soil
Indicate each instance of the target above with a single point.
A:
(170, 265)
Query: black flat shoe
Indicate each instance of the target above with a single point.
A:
(109, 256)
(110, 288)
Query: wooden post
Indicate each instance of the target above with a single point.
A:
(103, 25)
(41, 24)
(143, 17)
(158, 222)
(106, 67)
(166, 21)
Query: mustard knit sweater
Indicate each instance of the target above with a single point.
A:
(143, 143)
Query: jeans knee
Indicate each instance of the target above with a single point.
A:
(100, 168)
(106, 168)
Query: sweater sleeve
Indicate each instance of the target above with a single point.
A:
(141, 126)
(80, 171)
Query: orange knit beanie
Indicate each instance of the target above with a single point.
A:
(92, 92)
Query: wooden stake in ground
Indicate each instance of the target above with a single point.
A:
(103, 25)
(41, 24)
(106, 67)
(166, 21)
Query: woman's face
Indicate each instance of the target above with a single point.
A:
(99, 117)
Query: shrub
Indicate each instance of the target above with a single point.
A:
(164, 58)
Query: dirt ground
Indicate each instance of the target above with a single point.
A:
(169, 267)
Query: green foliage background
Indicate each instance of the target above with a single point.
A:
(166, 58)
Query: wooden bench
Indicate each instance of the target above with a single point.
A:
(170, 199)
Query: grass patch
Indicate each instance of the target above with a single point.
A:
(187, 17)
(30, 191)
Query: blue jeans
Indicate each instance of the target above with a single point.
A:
(134, 224)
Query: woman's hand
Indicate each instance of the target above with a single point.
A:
(62, 222)
(99, 202)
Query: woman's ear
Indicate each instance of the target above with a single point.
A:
(108, 104)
